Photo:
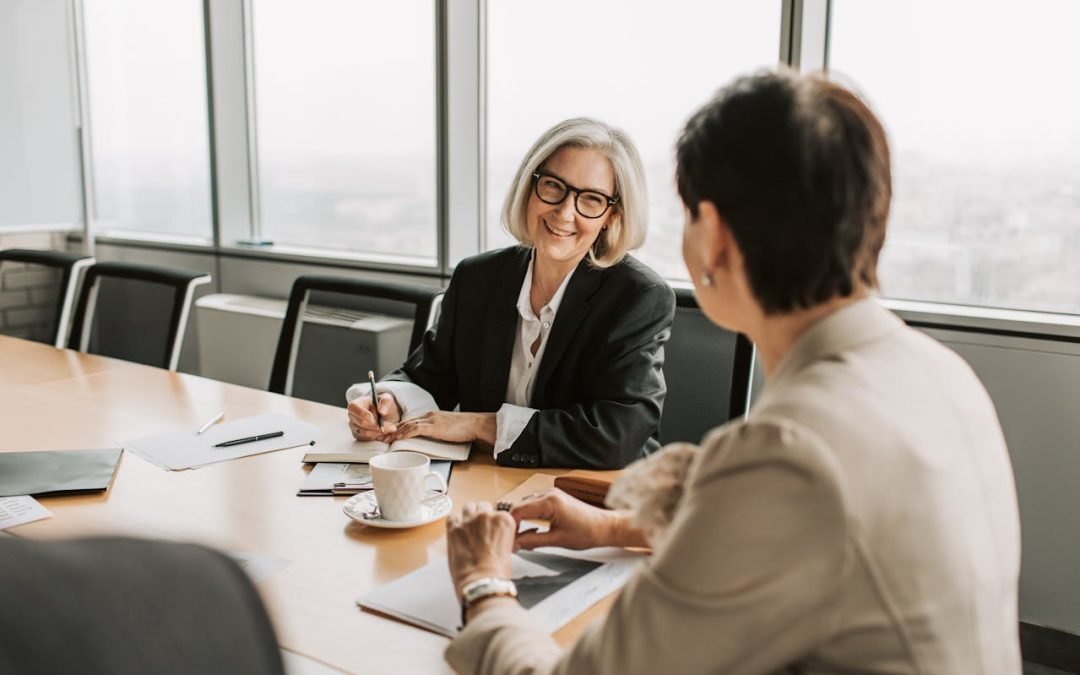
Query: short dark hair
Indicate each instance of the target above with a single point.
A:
(798, 167)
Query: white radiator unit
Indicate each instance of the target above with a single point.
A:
(238, 335)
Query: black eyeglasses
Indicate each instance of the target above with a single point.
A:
(553, 190)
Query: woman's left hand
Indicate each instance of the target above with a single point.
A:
(479, 543)
(455, 427)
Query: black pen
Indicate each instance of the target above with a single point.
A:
(250, 439)
(374, 398)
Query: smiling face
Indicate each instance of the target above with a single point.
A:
(560, 234)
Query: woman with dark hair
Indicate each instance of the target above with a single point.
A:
(862, 518)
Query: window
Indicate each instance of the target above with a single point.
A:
(39, 178)
(345, 119)
(982, 110)
(146, 75)
(639, 65)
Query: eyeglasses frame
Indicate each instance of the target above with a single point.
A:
(611, 201)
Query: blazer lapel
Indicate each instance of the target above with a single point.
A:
(500, 329)
(572, 310)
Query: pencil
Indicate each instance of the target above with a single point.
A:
(216, 418)
(374, 398)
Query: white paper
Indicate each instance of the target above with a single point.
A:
(549, 587)
(325, 475)
(19, 510)
(257, 567)
(188, 450)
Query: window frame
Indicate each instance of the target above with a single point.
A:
(460, 81)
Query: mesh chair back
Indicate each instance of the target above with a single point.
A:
(134, 312)
(62, 272)
(417, 302)
(707, 370)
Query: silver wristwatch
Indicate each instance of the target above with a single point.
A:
(483, 588)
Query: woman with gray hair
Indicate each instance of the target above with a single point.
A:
(551, 351)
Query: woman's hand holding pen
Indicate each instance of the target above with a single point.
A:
(363, 422)
(455, 427)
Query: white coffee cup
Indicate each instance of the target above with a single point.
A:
(399, 479)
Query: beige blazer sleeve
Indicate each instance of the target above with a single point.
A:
(746, 583)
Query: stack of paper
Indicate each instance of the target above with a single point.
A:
(337, 478)
(189, 450)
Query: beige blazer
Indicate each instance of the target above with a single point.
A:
(862, 519)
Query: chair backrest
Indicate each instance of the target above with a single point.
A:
(120, 605)
(423, 299)
(707, 370)
(134, 312)
(68, 266)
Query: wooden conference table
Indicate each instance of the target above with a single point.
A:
(59, 399)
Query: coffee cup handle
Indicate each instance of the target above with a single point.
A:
(442, 481)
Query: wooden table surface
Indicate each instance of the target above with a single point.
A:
(59, 399)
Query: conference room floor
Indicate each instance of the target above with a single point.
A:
(59, 399)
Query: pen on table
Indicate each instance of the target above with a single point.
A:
(216, 418)
(374, 398)
(250, 439)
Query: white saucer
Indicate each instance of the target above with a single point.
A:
(435, 505)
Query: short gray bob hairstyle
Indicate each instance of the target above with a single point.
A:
(626, 230)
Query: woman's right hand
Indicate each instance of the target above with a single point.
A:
(362, 421)
(573, 523)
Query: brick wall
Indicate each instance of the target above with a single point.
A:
(29, 294)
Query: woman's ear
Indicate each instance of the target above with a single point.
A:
(716, 239)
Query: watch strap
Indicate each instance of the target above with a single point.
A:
(486, 587)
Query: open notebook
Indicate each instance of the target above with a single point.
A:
(363, 451)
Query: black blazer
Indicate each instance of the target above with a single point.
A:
(599, 387)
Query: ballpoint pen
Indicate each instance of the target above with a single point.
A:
(374, 398)
(249, 439)
(217, 418)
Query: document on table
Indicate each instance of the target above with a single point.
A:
(554, 584)
(189, 450)
(257, 567)
(337, 478)
(19, 510)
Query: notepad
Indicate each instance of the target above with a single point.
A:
(49, 472)
(363, 451)
(554, 585)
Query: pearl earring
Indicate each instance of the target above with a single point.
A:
(706, 279)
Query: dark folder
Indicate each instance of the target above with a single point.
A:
(52, 472)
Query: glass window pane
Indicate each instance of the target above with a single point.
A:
(345, 105)
(640, 65)
(982, 109)
(39, 170)
(146, 74)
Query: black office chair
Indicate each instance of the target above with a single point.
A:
(134, 312)
(418, 302)
(114, 605)
(68, 267)
(707, 370)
